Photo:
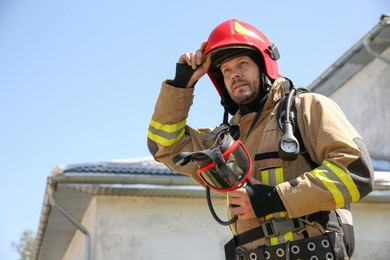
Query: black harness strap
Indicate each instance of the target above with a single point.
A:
(269, 155)
(258, 232)
(249, 236)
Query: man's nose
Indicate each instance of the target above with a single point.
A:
(236, 72)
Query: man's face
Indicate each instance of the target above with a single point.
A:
(242, 79)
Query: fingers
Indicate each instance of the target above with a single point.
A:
(197, 62)
(200, 70)
(242, 212)
(206, 63)
(203, 46)
(187, 58)
(193, 59)
(200, 52)
(240, 204)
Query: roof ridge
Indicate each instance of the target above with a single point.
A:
(144, 165)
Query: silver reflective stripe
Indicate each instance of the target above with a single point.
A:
(164, 134)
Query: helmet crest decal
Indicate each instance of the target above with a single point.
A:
(244, 31)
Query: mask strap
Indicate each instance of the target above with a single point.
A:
(185, 158)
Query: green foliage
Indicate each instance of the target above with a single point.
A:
(25, 245)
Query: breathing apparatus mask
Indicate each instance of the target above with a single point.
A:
(224, 167)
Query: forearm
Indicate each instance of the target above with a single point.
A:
(168, 133)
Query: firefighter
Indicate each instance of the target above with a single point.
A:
(294, 207)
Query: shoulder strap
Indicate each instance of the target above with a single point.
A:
(282, 113)
(299, 137)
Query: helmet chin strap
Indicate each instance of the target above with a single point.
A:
(259, 101)
(266, 83)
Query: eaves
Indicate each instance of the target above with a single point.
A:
(71, 187)
(370, 47)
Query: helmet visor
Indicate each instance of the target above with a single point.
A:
(227, 53)
(230, 174)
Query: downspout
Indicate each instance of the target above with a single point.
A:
(74, 221)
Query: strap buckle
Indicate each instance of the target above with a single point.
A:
(279, 226)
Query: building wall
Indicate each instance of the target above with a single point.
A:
(77, 247)
(157, 228)
(365, 101)
(372, 229)
(141, 228)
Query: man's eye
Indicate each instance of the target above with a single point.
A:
(225, 71)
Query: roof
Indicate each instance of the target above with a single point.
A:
(72, 187)
(135, 177)
(371, 46)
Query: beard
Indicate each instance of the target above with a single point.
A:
(246, 95)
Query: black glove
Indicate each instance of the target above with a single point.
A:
(183, 75)
(264, 199)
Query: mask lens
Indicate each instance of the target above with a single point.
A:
(230, 174)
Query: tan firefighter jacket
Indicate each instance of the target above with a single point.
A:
(344, 174)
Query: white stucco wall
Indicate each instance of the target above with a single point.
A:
(157, 228)
(77, 247)
(372, 229)
(140, 228)
(365, 99)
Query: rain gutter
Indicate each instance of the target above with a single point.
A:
(367, 42)
(356, 48)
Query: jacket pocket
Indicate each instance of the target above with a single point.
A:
(266, 155)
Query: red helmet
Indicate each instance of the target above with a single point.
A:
(239, 36)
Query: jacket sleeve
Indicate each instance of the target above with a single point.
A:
(345, 172)
(168, 133)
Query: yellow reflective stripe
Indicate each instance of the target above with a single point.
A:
(276, 215)
(276, 240)
(338, 182)
(272, 177)
(166, 135)
(330, 185)
(288, 236)
(227, 200)
(163, 141)
(346, 180)
(273, 241)
(231, 226)
(265, 177)
(283, 214)
(168, 128)
(279, 177)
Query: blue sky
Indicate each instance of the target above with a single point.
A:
(79, 79)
